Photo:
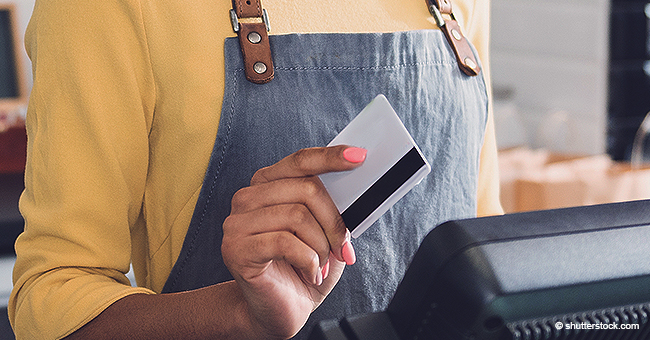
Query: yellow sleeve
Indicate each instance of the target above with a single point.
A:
(474, 16)
(88, 122)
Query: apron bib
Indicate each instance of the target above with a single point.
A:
(322, 81)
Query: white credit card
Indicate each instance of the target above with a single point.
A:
(394, 165)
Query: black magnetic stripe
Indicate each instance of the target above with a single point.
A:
(385, 186)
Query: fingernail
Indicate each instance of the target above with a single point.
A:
(354, 154)
(326, 269)
(348, 253)
(319, 277)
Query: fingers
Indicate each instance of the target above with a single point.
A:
(279, 247)
(306, 191)
(287, 218)
(311, 162)
(306, 164)
(295, 219)
(309, 191)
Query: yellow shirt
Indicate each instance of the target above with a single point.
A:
(121, 123)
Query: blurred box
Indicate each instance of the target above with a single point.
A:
(538, 179)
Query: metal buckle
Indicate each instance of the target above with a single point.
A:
(234, 21)
(437, 16)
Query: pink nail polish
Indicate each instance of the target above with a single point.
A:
(348, 253)
(326, 270)
(354, 154)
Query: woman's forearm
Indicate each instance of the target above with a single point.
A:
(214, 312)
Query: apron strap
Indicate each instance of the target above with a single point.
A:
(464, 55)
(253, 39)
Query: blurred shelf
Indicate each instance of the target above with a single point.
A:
(13, 150)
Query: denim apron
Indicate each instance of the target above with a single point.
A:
(322, 81)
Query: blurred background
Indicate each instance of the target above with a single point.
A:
(571, 83)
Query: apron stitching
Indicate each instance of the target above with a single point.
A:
(212, 186)
(356, 68)
(363, 68)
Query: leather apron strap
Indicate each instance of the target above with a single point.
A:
(253, 39)
(464, 55)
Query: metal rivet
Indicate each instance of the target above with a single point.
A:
(254, 37)
(456, 35)
(259, 67)
(470, 63)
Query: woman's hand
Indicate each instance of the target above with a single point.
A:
(285, 242)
